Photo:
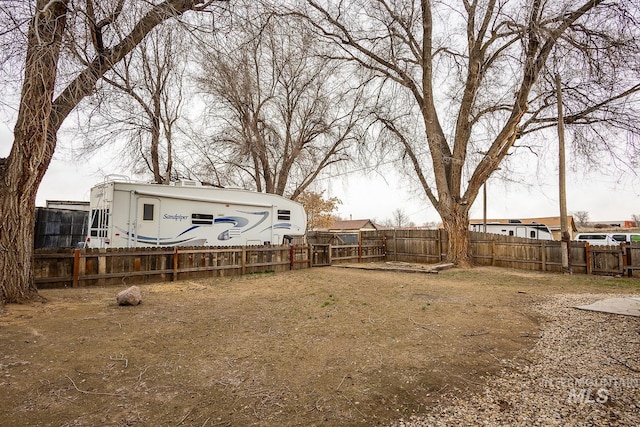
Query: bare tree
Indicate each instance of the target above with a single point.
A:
(286, 113)
(582, 217)
(139, 104)
(52, 87)
(462, 84)
(636, 219)
(399, 218)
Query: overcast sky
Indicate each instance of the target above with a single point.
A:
(604, 199)
(377, 195)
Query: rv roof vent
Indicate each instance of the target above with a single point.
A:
(188, 183)
(515, 221)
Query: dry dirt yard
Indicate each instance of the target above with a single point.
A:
(321, 347)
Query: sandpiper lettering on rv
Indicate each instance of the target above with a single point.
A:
(176, 217)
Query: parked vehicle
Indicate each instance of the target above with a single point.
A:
(596, 238)
(186, 213)
(517, 229)
(626, 237)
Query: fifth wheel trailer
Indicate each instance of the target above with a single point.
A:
(186, 213)
(517, 229)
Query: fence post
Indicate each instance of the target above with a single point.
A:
(493, 251)
(587, 257)
(175, 263)
(102, 265)
(291, 257)
(629, 263)
(543, 255)
(395, 245)
(76, 267)
(569, 248)
(384, 246)
(623, 257)
(243, 262)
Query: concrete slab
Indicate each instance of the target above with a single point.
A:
(626, 306)
(399, 267)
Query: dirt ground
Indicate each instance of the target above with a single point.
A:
(327, 346)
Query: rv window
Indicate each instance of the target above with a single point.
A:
(619, 237)
(99, 222)
(592, 237)
(284, 214)
(95, 219)
(510, 232)
(202, 219)
(147, 215)
(532, 234)
(99, 218)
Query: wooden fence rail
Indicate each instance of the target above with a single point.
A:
(85, 267)
(545, 255)
(631, 261)
(430, 246)
(82, 267)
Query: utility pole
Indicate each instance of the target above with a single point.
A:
(564, 223)
(484, 207)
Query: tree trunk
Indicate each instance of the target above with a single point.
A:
(32, 150)
(456, 224)
(16, 238)
(167, 172)
(155, 152)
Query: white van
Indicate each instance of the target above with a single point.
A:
(626, 237)
(595, 238)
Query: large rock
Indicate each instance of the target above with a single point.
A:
(130, 296)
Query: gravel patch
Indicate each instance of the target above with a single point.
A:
(584, 370)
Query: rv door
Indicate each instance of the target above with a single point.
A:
(147, 230)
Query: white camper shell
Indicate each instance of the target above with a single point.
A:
(186, 213)
(516, 229)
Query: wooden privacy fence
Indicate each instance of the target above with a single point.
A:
(346, 247)
(430, 246)
(632, 258)
(419, 246)
(80, 267)
(546, 255)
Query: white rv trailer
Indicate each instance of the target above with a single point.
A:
(186, 213)
(516, 229)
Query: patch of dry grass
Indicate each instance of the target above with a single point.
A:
(325, 346)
